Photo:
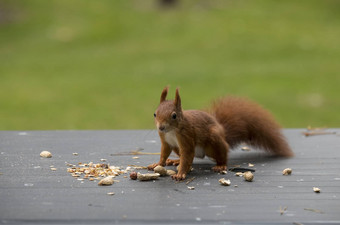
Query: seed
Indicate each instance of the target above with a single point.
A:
(46, 154)
(110, 193)
(133, 175)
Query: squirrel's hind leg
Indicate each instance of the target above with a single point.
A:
(218, 150)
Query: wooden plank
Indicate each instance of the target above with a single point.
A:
(31, 192)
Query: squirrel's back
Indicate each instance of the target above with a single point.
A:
(245, 121)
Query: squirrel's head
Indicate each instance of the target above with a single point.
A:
(169, 112)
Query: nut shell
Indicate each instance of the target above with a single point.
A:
(147, 176)
(224, 182)
(161, 170)
(170, 172)
(106, 181)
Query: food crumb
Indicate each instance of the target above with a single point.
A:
(316, 189)
(283, 210)
(75, 153)
(191, 187)
(224, 182)
(46, 154)
(245, 148)
(287, 171)
(106, 181)
(110, 193)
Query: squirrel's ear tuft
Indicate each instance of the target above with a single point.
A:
(177, 99)
(164, 94)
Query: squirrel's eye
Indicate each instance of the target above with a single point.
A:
(174, 116)
(154, 115)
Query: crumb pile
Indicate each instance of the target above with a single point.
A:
(92, 171)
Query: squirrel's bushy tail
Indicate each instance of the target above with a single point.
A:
(247, 122)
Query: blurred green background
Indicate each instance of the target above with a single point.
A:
(85, 64)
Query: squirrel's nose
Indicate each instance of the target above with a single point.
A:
(161, 128)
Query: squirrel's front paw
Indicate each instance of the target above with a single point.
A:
(219, 168)
(172, 162)
(152, 166)
(178, 176)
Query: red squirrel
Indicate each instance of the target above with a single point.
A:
(195, 133)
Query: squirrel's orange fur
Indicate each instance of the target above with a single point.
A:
(230, 121)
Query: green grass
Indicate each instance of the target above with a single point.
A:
(85, 64)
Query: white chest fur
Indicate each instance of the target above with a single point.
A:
(171, 139)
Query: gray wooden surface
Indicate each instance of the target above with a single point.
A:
(30, 192)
